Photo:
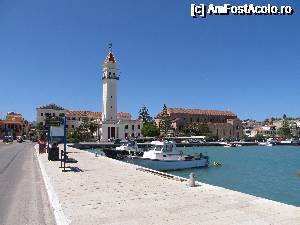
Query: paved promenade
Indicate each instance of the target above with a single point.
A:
(112, 192)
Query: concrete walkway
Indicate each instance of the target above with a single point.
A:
(112, 192)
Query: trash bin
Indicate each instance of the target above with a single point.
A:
(53, 153)
(50, 153)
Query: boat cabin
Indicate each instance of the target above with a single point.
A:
(162, 151)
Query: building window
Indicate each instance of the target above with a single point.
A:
(139, 134)
(114, 74)
(73, 118)
(132, 127)
(126, 126)
(72, 126)
(53, 114)
(67, 126)
(79, 119)
(191, 119)
(68, 118)
(109, 73)
(198, 120)
(42, 114)
(139, 126)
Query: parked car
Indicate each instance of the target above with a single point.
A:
(8, 139)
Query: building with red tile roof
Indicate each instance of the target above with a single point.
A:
(221, 124)
(13, 125)
(74, 118)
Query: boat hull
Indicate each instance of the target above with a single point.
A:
(164, 165)
(119, 154)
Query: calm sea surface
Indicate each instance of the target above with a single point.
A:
(268, 172)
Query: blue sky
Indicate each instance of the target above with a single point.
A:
(52, 52)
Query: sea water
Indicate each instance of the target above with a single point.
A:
(268, 172)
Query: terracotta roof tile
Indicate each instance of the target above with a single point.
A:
(95, 114)
(84, 113)
(201, 112)
(110, 58)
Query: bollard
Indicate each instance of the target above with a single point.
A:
(192, 180)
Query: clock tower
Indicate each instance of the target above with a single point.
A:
(109, 87)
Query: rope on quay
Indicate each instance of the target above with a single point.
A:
(161, 174)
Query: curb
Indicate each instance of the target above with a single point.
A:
(59, 215)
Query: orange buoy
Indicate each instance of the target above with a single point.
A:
(298, 174)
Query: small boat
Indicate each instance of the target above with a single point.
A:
(270, 144)
(130, 146)
(292, 141)
(216, 164)
(262, 143)
(267, 143)
(165, 156)
(127, 148)
(229, 145)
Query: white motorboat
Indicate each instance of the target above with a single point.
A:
(127, 148)
(229, 145)
(292, 141)
(269, 143)
(262, 143)
(165, 156)
(130, 146)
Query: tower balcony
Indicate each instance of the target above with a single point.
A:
(110, 77)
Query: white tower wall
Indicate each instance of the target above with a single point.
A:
(109, 88)
(109, 100)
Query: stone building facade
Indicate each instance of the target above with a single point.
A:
(13, 125)
(221, 124)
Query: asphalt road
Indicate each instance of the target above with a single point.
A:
(23, 197)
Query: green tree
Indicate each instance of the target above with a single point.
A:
(284, 116)
(93, 128)
(197, 129)
(259, 137)
(41, 132)
(145, 116)
(72, 135)
(284, 132)
(165, 121)
(150, 130)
